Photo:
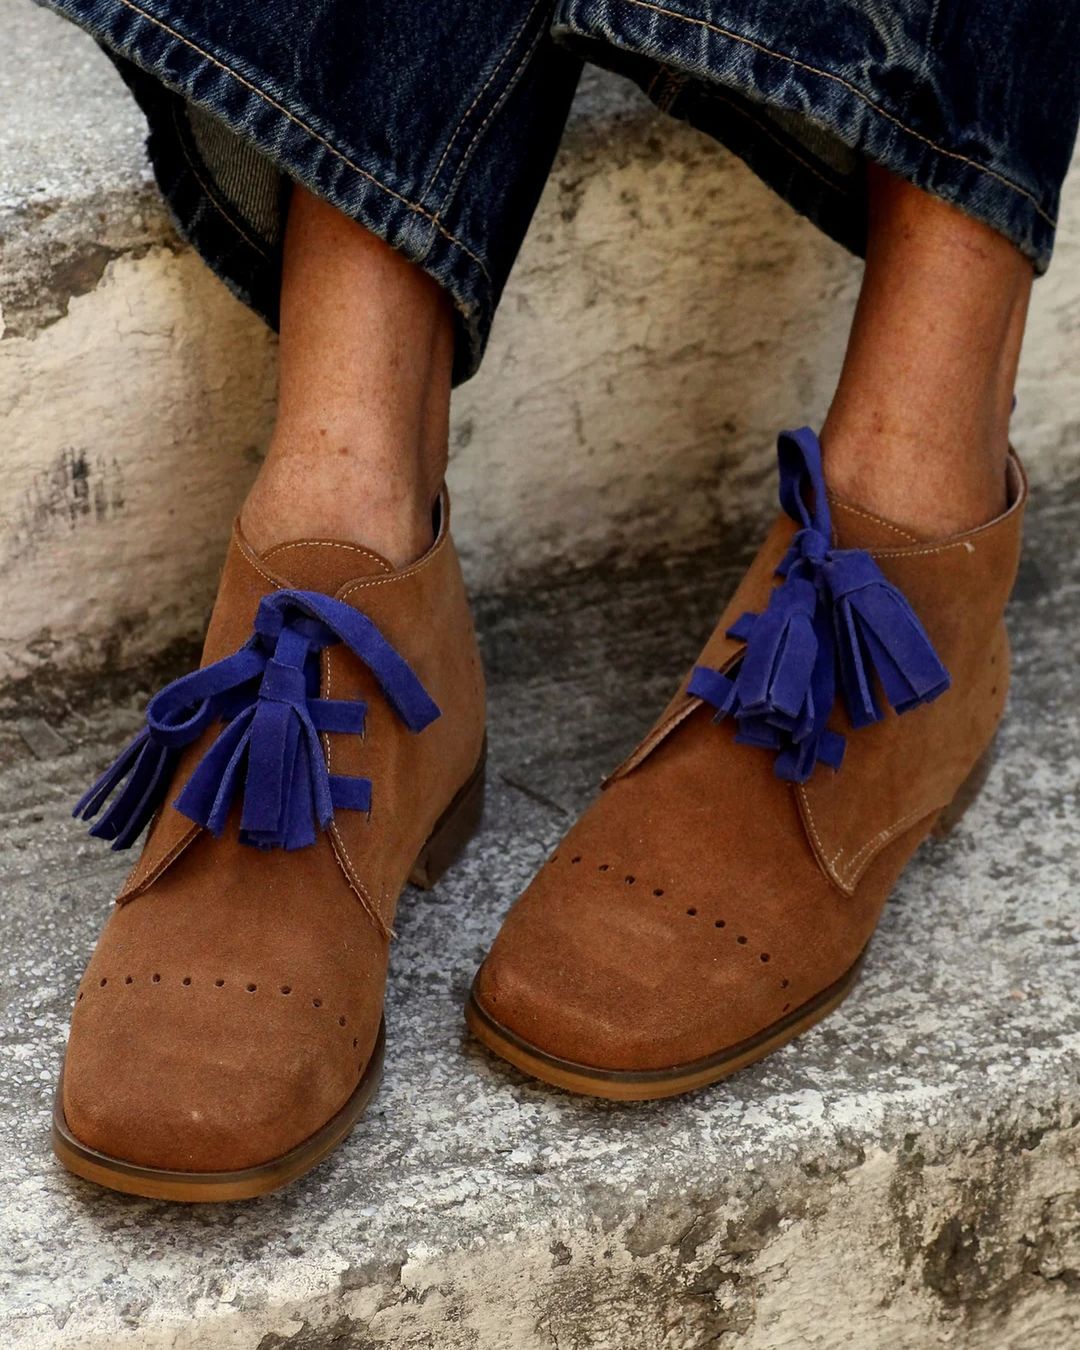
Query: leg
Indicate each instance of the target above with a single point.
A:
(337, 721)
(283, 946)
(716, 900)
(918, 429)
(359, 449)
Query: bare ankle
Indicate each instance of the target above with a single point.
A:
(316, 497)
(932, 484)
(918, 430)
(367, 342)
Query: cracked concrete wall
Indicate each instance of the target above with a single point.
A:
(131, 426)
(666, 317)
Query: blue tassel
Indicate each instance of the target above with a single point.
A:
(834, 618)
(877, 630)
(774, 677)
(147, 768)
(268, 756)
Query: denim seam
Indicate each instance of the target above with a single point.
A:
(511, 45)
(853, 89)
(771, 135)
(212, 195)
(930, 28)
(508, 89)
(273, 103)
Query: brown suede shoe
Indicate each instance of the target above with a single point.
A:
(228, 1030)
(718, 898)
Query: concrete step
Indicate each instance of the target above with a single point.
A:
(667, 315)
(902, 1177)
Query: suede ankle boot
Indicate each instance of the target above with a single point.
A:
(228, 1031)
(719, 896)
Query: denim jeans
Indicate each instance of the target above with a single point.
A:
(975, 101)
(435, 124)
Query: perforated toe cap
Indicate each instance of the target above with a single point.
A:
(624, 1001)
(205, 1072)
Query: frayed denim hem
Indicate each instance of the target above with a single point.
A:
(807, 132)
(433, 169)
(250, 265)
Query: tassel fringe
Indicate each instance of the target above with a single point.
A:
(269, 755)
(833, 620)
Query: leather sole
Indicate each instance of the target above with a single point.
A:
(628, 1086)
(452, 832)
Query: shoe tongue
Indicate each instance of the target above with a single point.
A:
(324, 565)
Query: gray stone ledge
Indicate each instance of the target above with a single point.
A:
(902, 1177)
(76, 191)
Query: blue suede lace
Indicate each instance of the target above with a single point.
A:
(834, 619)
(269, 751)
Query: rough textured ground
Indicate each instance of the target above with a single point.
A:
(903, 1177)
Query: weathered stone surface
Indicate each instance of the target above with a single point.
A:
(667, 315)
(75, 189)
(902, 1177)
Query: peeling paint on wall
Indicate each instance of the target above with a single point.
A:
(76, 487)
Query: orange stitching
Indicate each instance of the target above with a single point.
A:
(900, 554)
(878, 520)
(327, 543)
(809, 817)
(847, 876)
(357, 886)
(364, 173)
(414, 570)
(964, 541)
(511, 85)
(884, 836)
(343, 856)
(156, 871)
(251, 561)
(838, 79)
